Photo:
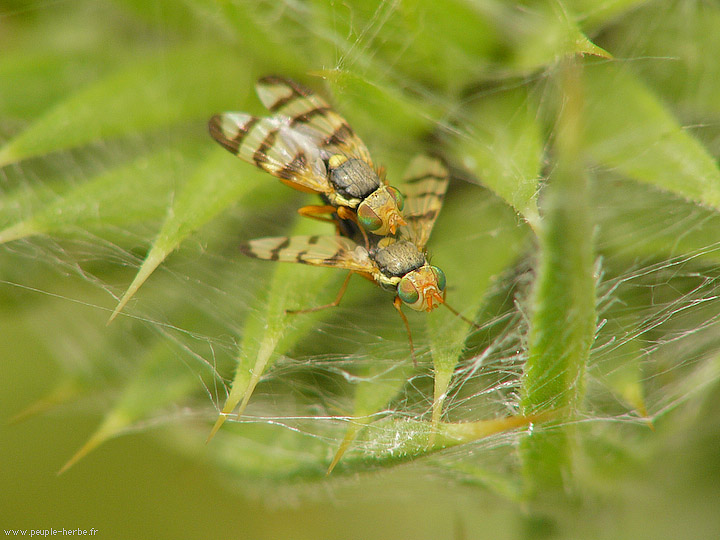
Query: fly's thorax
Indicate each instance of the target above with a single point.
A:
(353, 179)
(381, 211)
(394, 258)
(422, 289)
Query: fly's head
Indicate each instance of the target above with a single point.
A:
(422, 289)
(381, 212)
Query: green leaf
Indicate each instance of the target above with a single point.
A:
(464, 51)
(596, 14)
(406, 41)
(502, 143)
(621, 368)
(377, 387)
(48, 58)
(108, 199)
(277, 39)
(269, 330)
(393, 439)
(679, 42)
(196, 81)
(562, 324)
(630, 130)
(51, 75)
(364, 101)
(637, 220)
(215, 185)
(477, 238)
(544, 33)
(172, 16)
(162, 380)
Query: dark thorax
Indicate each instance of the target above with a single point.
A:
(353, 179)
(395, 259)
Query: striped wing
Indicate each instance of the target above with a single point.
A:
(312, 116)
(272, 145)
(331, 251)
(424, 187)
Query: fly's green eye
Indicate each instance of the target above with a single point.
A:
(407, 291)
(399, 199)
(440, 275)
(368, 218)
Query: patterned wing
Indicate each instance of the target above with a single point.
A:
(424, 186)
(273, 146)
(331, 251)
(312, 116)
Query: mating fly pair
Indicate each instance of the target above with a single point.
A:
(382, 231)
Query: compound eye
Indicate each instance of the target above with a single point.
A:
(368, 218)
(399, 199)
(407, 291)
(440, 276)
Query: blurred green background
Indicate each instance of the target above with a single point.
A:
(580, 232)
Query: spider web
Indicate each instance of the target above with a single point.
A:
(172, 356)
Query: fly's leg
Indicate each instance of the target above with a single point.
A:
(398, 306)
(334, 303)
(314, 211)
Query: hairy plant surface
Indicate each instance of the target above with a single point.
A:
(580, 233)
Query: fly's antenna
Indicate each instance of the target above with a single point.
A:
(457, 314)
